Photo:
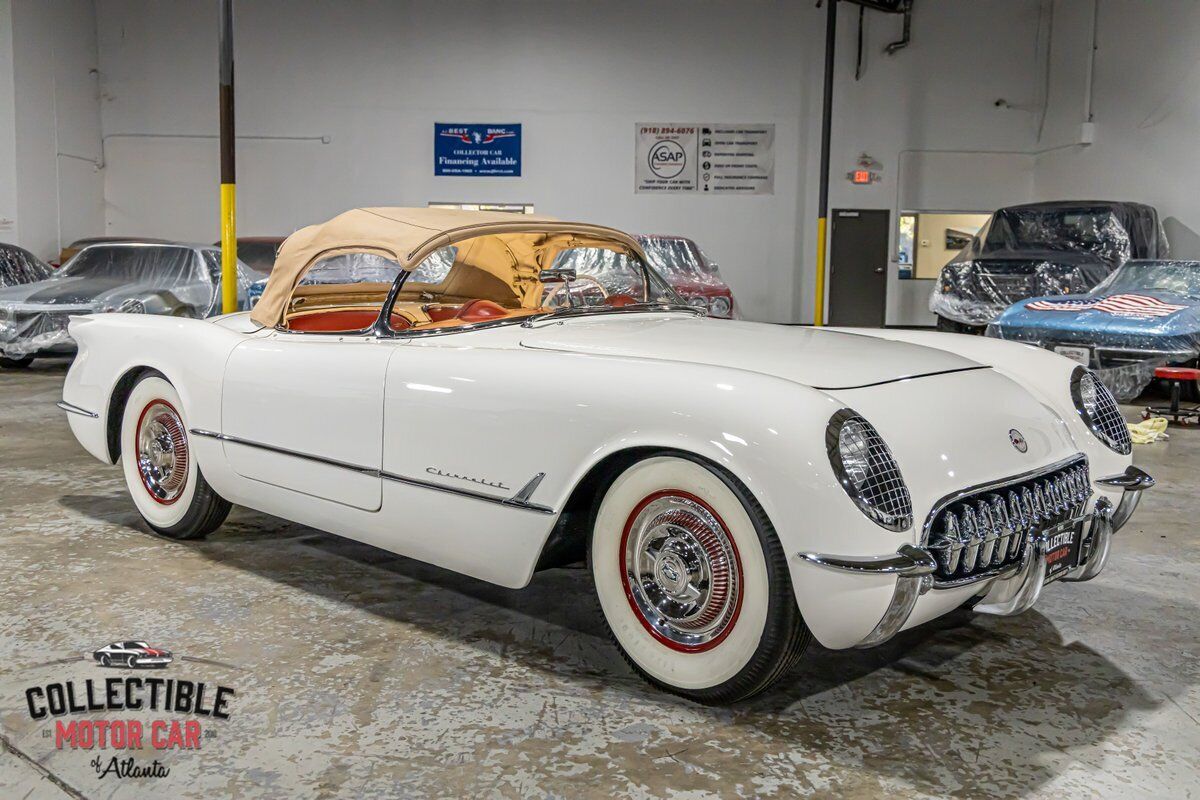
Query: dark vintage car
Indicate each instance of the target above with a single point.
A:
(1064, 247)
(1144, 315)
(135, 277)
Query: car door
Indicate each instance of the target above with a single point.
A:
(464, 475)
(304, 411)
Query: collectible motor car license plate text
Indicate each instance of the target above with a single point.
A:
(1081, 354)
(1062, 550)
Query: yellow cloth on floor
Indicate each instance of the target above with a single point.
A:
(1150, 430)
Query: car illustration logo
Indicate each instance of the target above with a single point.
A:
(134, 654)
(1017, 440)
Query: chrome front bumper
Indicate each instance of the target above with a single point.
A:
(1013, 591)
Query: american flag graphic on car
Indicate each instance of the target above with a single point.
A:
(1128, 305)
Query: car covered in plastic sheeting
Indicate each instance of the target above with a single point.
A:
(19, 266)
(69, 251)
(1039, 249)
(690, 272)
(1144, 315)
(134, 277)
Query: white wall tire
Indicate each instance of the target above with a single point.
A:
(659, 579)
(163, 478)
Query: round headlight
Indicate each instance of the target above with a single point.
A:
(865, 468)
(698, 301)
(132, 307)
(719, 306)
(1099, 411)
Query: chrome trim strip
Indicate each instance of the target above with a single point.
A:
(513, 502)
(903, 378)
(332, 462)
(71, 408)
(949, 499)
(1131, 480)
(517, 501)
(908, 560)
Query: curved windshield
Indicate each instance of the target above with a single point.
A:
(134, 264)
(17, 266)
(485, 279)
(1171, 277)
(606, 278)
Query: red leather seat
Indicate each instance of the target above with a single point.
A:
(480, 311)
(438, 312)
(1177, 373)
(619, 300)
(345, 320)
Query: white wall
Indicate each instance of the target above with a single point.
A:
(57, 123)
(928, 115)
(374, 77)
(8, 130)
(1146, 111)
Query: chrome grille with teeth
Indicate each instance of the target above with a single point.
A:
(985, 531)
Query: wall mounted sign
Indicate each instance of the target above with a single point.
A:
(707, 157)
(865, 172)
(477, 149)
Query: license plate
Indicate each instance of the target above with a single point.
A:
(1081, 354)
(1062, 551)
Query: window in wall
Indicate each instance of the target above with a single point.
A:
(927, 240)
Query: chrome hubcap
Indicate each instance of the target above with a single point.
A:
(681, 571)
(162, 452)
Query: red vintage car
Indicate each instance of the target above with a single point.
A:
(691, 273)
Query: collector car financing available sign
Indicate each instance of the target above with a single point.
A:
(712, 157)
(476, 149)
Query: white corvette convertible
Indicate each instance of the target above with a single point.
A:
(736, 488)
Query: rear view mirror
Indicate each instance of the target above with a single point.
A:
(559, 275)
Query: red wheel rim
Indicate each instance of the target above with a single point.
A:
(681, 571)
(160, 443)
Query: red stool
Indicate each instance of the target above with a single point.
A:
(1176, 376)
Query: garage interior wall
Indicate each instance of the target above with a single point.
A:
(356, 86)
(59, 184)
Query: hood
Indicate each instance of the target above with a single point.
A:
(1178, 330)
(810, 356)
(72, 291)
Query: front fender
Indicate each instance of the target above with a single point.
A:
(1043, 373)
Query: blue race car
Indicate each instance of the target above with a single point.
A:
(1146, 314)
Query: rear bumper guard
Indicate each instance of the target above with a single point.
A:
(914, 566)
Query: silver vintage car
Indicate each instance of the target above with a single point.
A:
(182, 280)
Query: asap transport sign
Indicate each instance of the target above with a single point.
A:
(707, 157)
(476, 149)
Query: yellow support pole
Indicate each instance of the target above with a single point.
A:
(229, 277)
(229, 274)
(819, 303)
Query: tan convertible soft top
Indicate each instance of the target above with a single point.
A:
(408, 235)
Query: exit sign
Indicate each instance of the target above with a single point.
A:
(863, 177)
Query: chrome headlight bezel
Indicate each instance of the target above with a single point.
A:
(1100, 413)
(720, 306)
(867, 471)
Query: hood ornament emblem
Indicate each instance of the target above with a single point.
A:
(1017, 440)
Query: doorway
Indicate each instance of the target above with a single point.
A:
(858, 261)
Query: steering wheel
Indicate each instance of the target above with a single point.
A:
(586, 279)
